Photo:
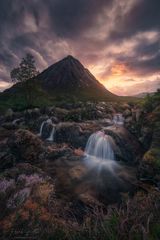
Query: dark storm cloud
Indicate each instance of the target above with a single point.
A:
(143, 16)
(12, 13)
(70, 18)
(144, 59)
(147, 49)
(148, 66)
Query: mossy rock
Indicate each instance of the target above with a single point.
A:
(152, 158)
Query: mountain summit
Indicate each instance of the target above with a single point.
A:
(69, 74)
(66, 80)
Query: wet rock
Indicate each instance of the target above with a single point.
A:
(37, 123)
(59, 152)
(128, 120)
(146, 136)
(69, 133)
(138, 115)
(54, 120)
(60, 113)
(50, 111)
(47, 128)
(150, 164)
(127, 149)
(127, 113)
(75, 134)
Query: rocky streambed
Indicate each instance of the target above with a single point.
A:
(47, 169)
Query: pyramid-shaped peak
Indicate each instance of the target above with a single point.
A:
(72, 59)
(70, 75)
(69, 57)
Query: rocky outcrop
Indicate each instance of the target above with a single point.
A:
(75, 134)
(25, 146)
(127, 148)
(150, 164)
(69, 133)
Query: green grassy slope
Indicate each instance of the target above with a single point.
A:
(15, 97)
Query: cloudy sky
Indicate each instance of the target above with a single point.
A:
(118, 40)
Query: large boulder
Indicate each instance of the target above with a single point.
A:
(26, 146)
(75, 134)
(69, 133)
(7, 159)
(127, 149)
(150, 164)
(127, 113)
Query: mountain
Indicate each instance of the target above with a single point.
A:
(144, 94)
(66, 80)
(70, 76)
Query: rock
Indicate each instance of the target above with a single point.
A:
(32, 114)
(138, 115)
(7, 159)
(146, 136)
(37, 123)
(9, 126)
(128, 119)
(9, 114)
(50, 111)
(150, 164)
(127, 149)
(54, 120)
(47, 128)
(59, 152)
(73, 134)
(127, 113)
(25, 146)
(60, 113)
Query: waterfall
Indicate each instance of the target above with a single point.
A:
(118, 119)
(15, 121)
(99, 146)
(99, 152)
(41, 128)
(51, 137)
(42, 125)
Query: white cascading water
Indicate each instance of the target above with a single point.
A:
(118, 119)
(51, 137)
(41, 128)
(99, 151)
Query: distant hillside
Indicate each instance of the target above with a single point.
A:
(143, 94)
